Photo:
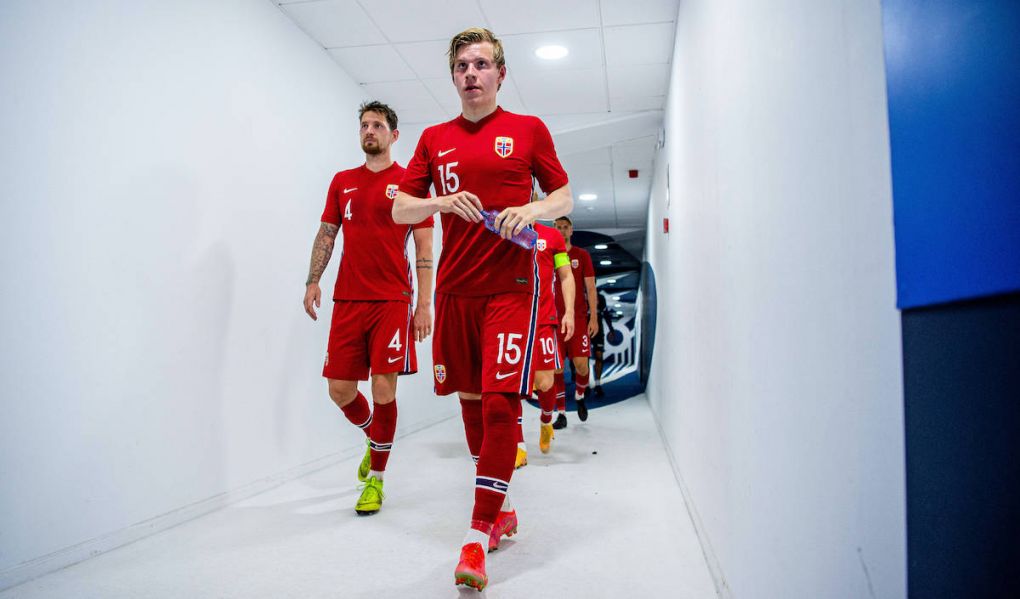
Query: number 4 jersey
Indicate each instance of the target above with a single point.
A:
(495, 159)
(373, 262)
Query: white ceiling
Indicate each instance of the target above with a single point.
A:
(603, 102)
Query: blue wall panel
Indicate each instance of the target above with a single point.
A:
(953, 71)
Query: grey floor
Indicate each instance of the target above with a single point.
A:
(600, 516)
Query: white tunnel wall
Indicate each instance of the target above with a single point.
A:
(776, 376)
(164, 168)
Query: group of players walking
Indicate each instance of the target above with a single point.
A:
(499, 332)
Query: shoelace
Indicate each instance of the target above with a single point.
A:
(375, 487)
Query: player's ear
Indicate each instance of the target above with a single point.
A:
(396, 134)
(502, 76)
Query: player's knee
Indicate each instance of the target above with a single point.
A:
(384, 388)
(543, 380)
(498, 410)
(342, 392)
(581, 368)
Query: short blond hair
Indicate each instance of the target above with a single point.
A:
(476, 35)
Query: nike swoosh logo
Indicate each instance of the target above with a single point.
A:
(350, 190)
(445, 152)
(500, 376)
(549, 361)
(392, 360)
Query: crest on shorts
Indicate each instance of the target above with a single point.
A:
(440, 372)
(540, 244)
(391, 191)
(574, 263)
(504, 146)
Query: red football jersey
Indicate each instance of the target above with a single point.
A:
(373, 261)
(549, 243)
(494, 159)
(580, 264)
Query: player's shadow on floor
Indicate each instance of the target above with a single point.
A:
(449, 450)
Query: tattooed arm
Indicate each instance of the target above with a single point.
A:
(322, 249)
(423, 268)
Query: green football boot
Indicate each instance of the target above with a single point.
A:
(366, 463)
(371, 497)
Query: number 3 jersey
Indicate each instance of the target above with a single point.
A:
(373, 260)
(495, 159)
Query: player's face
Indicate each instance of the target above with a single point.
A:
(376, 136)
(565, 228)
(476, 76)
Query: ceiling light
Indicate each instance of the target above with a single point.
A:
(617, 305)
(611, 281)
(602, 246)
(587, 197)
(616, 298)
(551, 52)
(618, 313)
(605, 262)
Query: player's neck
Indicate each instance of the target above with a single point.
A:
(378, 162)
(569, 246)
(477, 113)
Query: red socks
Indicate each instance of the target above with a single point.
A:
(561, 393)
(384, 425)
(496, 460)
(580, 384)
(474, 428)
(547, 402)
(358, 413)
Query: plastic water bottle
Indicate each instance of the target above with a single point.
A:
(526, 238)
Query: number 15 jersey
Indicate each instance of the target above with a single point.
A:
(495, 159)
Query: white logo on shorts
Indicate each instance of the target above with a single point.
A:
(392, 360)
(500, 376)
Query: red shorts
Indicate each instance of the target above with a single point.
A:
(578, 345)
(370, 335)
(484, 343)
(547, 348)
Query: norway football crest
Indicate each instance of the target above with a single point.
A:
(391, 191)
(575, 263)
(440, 373)
(504, 146)
(540, 244)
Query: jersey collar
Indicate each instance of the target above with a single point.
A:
(470, 126)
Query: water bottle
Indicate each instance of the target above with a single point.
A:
(526, 238)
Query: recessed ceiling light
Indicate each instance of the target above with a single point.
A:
(551, 52)
(611, 281)
(602, 246)
(605, 262)
(616, 298)
(618, 313)
(617, 305)
(587, 197)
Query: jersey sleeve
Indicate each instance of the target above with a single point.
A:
(418, 177)
(587, 270)
(544, 162)
(331, 213)
(428, 223)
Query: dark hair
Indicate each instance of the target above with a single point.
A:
(566, 218)
(377, 106)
